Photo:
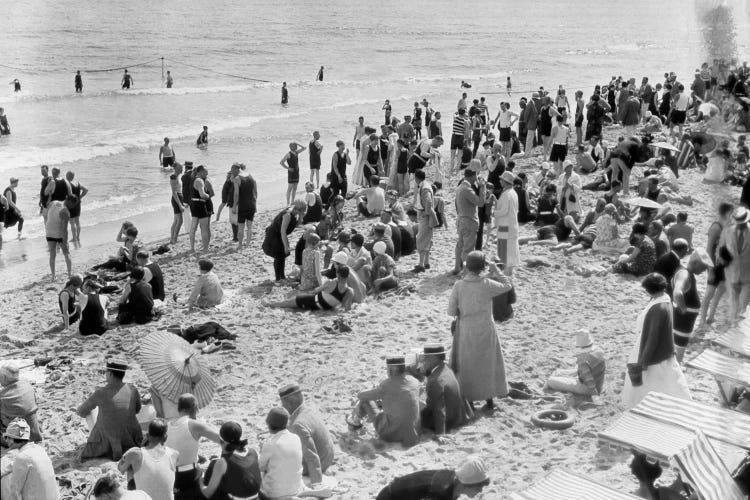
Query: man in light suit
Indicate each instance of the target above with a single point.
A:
(734, 250)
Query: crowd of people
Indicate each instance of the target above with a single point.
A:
(401, 177)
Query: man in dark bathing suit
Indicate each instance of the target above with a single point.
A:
(202, 138)
(127, 80)
(78, 82)
(284, 94)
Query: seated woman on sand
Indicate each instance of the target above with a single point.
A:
(125, 257)
(332, 294)
(608, 239)
(640, 257)
(207, 290)
(93, 310)
(236, 472)
(68, 300)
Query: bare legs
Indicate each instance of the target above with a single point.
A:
(241, 233)
(205, 225)
(176, 226)
(314, 172)
(290, 192)
(52, 247)
(75, 229)
(710, 303)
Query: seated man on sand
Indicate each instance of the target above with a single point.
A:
(341, 259)
(280, 459)
(17, 400)
(137, 301)
(111, 414)
(360, 259)
(681, 229)
(383, 269)
(588, 377)
(467, 480)
(33, 476)
(585, 161)
(371, 200)
(445, 408)
(379, 231)
(333, 294)
(317, 445)
(207, 291)
(398, 395)
(652, 123)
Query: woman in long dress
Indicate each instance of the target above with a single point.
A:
(477, 358)
(276, 242)
(652, 359)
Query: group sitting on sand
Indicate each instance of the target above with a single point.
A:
(339, 263)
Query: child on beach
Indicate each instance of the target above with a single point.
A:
(311, 263)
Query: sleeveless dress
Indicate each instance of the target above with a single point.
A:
(75, 210)
(314, 156)
(73, 312)
(273, 246)
(242, 478)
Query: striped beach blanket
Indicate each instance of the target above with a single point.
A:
(701, 467)
(717, 423)
(722, 366)
(735, 341)
(661, 441)
(563, 485)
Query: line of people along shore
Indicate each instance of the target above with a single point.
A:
(475, 371)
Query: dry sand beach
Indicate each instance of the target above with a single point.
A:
(275, 347)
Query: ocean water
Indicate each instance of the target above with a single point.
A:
(403, 51)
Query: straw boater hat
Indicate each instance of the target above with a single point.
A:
(434, 350)
(584, 339)
(741, 215)
(395, 361)
(116, 365)
(288, 390)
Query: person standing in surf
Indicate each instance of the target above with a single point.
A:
(178, 205)
(170, 80)
(74, 210)
(200, 208)
(127, 80)
(202, 140)
(387, 108)
(315, 150)
(284, 94)
(78, 82)
(508, 85)
(290, 162)
(320, 74)
(166, 154)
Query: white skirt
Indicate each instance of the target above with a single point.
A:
(665, 377)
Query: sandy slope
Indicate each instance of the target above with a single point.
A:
(275, 347)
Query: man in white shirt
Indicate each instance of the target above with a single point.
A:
(372, 202)
(280, 459)
(33, 477)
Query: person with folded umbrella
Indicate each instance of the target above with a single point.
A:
(32, 477)
(468, 479)
(445, 408)
(398, 420)
(17, 400)
(183, 435)
(152, 466)
(280, 459)
(235, 474)
(317, 445)
(116, 429)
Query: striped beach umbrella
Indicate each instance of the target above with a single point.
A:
(174, 368)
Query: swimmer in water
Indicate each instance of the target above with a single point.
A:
(4, 127)
(465, 85)
(284, 94)
(127, 80)
(320, 74)
(166, 154)
(16, 85)
(79, 82)
(202, 138)
(508, 85)
(170, 81)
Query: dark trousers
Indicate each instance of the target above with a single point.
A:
(235, 227)
(186, 485)
(480, 236)
(339, 187)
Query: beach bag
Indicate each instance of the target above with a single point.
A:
(502, 308)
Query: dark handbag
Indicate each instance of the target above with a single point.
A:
(635, 372)
(572, 198)
(512, 295)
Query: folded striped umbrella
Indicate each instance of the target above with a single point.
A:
(174, 368)
(701, 467)
(563, 485)
(660, 440)
(718, 423)
(723, 366)
(736, 341)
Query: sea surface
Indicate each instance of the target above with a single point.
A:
(229, 57)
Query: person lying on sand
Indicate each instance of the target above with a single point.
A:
(555, 233)
(587, 379)
(398, 421)
(108, 488)
(467, 480)
(332, 294)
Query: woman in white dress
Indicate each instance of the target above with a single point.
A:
(608, 239)
(652, 365)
